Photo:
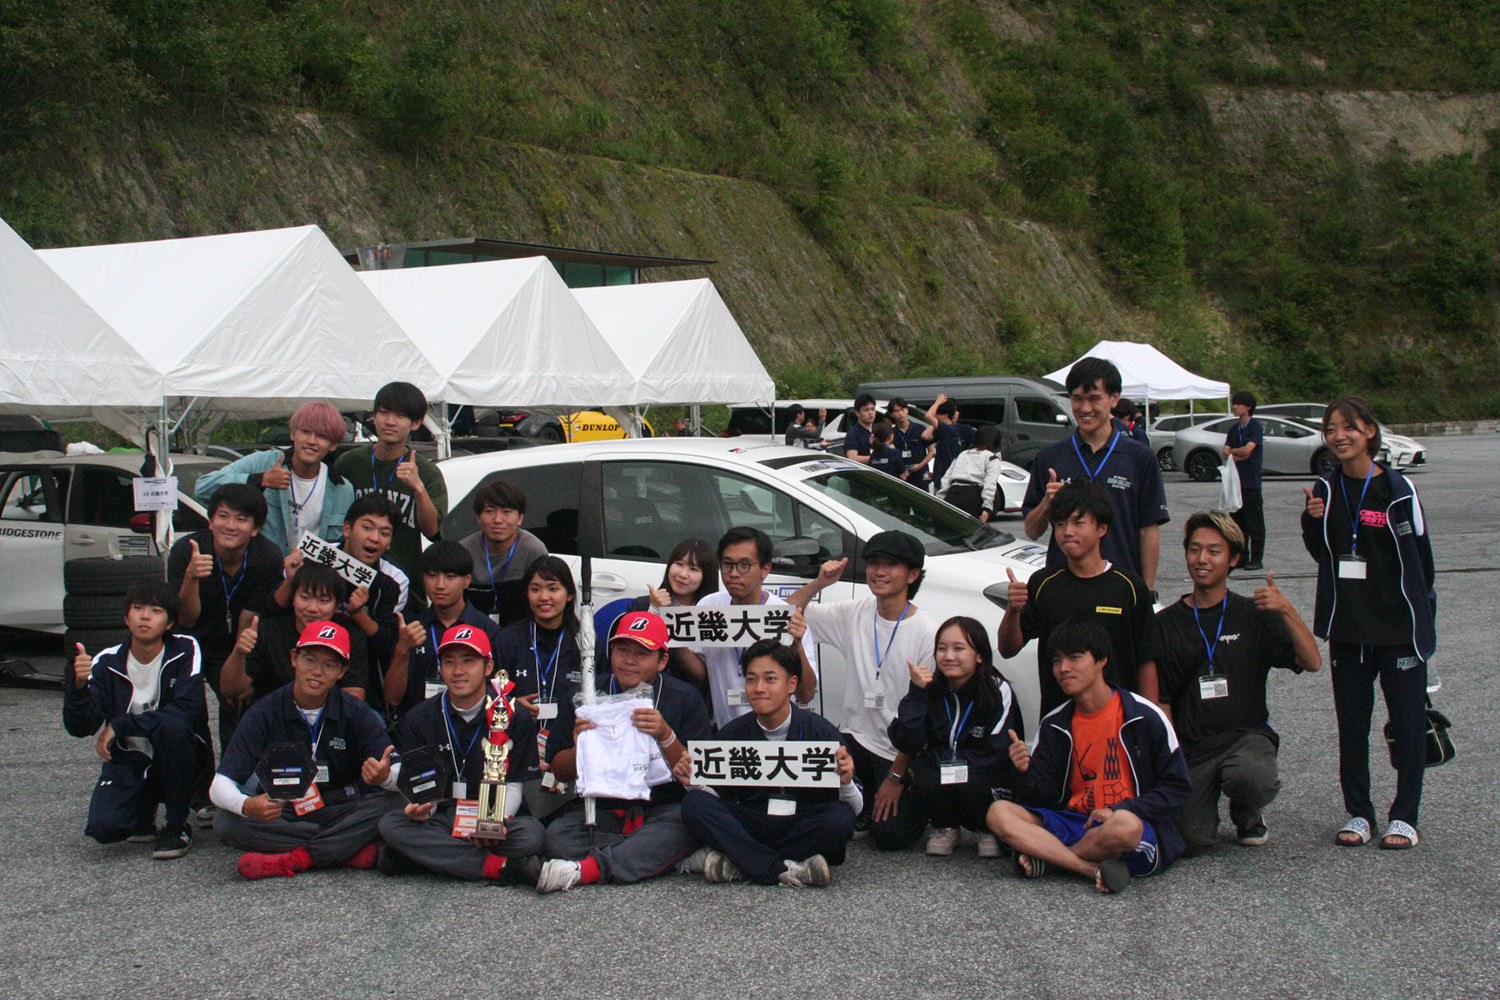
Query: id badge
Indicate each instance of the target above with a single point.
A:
(1352, 568)
(322, 775)
(465, 818)
(875, 699)
(953, 772)
(549, 783)
(541, 747)
(495, 617)
(735, 696)
(1213, 686)
(460, 789)
(311, 802)
(781, 807)
(546, 710)
(433, 689)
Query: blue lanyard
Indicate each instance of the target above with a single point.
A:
(495, 584)
(1354, 511)
(1079, 452)
(374, 482)
(292, 489)
(436, 660)
(315, 730)
(955, 730)
(875, 631)
(541, 673)
(1212, 649)
(458, 762)
(229, 591)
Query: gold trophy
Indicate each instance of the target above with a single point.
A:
(498, 710)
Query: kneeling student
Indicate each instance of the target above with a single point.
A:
(146, 694)
(1210, 654)
(954, 726)
(634, 839)
(432, 834)
(770, 835)
(335, 821)
(1106, 779)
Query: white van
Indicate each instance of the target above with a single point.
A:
(627, 503)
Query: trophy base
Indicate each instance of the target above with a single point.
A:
(489, 828)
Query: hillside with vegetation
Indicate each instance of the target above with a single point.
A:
(1298, 197)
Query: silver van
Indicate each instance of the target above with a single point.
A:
(1031, 413)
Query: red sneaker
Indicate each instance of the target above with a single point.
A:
(364, 857)
(256, 865)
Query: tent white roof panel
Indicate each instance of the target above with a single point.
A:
(680, 341)
(255, 322)
(504, 332)
(1147, 373)
(57, 355)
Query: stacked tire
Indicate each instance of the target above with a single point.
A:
(94, 603)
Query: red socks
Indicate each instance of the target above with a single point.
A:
(254, 865)
(494, 866)
(589, 870)
(362, 858)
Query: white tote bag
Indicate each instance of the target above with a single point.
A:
(1230, 499)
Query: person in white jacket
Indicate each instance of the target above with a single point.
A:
(971, 482)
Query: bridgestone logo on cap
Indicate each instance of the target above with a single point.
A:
(639, 625)
(463, 633)
(328, 632)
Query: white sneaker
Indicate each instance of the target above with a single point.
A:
(812, 872)
(558, 874)
(718, 868)
(693, 863)
(941, 842)
(988, 846)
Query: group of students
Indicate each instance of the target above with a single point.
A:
(1147, 719)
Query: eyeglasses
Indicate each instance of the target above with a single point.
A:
(736, 568)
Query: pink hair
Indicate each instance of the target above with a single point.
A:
(320, 418)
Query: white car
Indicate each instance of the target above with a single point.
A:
(55, 508)
(1403, 453)
(627, 503)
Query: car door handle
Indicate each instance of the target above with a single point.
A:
(610, 581)
(84, 540)
(1023, 437)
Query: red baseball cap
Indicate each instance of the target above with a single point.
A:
(643, 627)
(327, 634)
(469, 636)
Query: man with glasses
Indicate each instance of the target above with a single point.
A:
(744, 564)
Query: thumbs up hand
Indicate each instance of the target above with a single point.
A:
(376, 772)
(1015, 594)
(1270, 597)
(921, 675)
(200, 564)
(1020, 754)
(245, 644)
(1053, 484)
(409, 635)
(83, 666)
(1315, 505)
(278, 476)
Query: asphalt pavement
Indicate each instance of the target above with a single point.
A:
(1298, 917)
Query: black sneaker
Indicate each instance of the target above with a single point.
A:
(393, 862)
(173, 842)
(1255, 836)
(861, 828)
(523, 871)
(1254, 567)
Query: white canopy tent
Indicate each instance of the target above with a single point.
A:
(1147, 374)
(245, 324)
(680, 342)
(59, 357)
(505, 332)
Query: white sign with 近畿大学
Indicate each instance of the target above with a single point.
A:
(319, 551)
(729, 625)
(772, 763)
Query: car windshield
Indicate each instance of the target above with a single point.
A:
(894, 505)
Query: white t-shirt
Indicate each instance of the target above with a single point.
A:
(614, 758)
(853, 628)
(145, 694)
(306, 502)
(723, 664)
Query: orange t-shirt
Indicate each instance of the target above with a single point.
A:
(1100, 775)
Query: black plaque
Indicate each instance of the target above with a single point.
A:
(423, 776)
(286, 771)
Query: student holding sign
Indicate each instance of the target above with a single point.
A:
(878, 636)
(140, 700)
(303, 492)
(954, 726)
(334, 820)
(447, 571)
(1104, 782)
(688, 579)
(502, 551)
(635, 838)
(439, 835)
(761, 831)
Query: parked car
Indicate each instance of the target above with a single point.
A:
(56, 508)
(556, 425)
(1402, 452)
(1291, 447)
(627, 503)
(752, 419)
(1031, 413)
(1163, 434)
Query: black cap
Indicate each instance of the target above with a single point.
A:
(900, 546)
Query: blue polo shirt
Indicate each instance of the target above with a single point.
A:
(857, 438)
(909, 444)
(1248, 468)
(422, 662)
(1131, 477)
(348, 733)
